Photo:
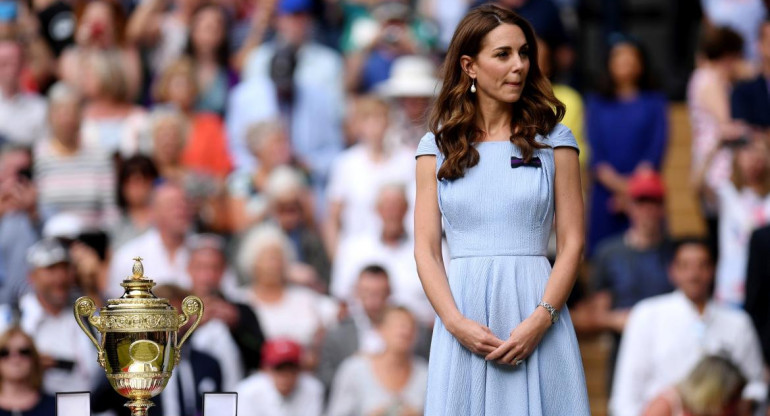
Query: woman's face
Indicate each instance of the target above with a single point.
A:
(96, 25)
(181, 92)
(502, 65)
(65, 119)
(269, 267)
(208, 30)
(136, 190)
(398, 331)
(168, 142)
(625, 64)
(16, 359)
(275, 150)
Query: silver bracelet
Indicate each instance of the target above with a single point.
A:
(551, 310)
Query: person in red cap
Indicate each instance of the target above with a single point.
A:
(281, 388)
(633, 265)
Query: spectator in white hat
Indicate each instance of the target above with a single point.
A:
(412, 85)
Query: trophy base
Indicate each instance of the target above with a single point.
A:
(139, 407)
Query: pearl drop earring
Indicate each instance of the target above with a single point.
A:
(473, 86)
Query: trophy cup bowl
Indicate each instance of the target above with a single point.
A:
(138, 348)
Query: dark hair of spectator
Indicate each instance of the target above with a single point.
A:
(690, 241)
(135, 165)
(374, 270)
(35, 379)
(453, 117)
(646, 82)
(223, 50)
(720, 42)
(119, 17)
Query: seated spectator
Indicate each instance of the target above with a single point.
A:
(100, 27)
(713, 387)
(744, 205)
(22, 114)
(411, 86)
(378, 41)
(749, 98)
(391, 382)
(111, 121)
(207, 269)
(21, 377)
(632, 266)
(46, 314)
(708, 104)
(290, 207)
(269, 143)
(209, 47)
(758, 286)
(745, 18)
(163, 246)
(283, 310)
(360, 172)
(667, 335)
(358, 331)
(626, 126)
(18, 220)
(282, 388)
(211, 337)
(393, 248)
(71, 177)
(135, 180)
(294, 79)
(205, 142)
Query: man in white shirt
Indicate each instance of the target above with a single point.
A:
(667, 335)
(22, 115)
(162, 247)
(282, 389)
(393, 248)
(46, 314)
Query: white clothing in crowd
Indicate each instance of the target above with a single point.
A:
(61, 338)
(356, 180)
(299, 315)
(257, 396)
(398, 261)
(664, 339)
(740, 213)
(23, 118)
(159, 265)
(356, 390)
(214, 339)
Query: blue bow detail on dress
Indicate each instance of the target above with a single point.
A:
(517, 162)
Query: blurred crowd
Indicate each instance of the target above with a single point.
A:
(260, 155)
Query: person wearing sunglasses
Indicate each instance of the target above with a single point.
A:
(21, 377)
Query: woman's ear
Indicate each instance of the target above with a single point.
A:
(468, 66)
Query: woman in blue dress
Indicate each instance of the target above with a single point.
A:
(495, 171)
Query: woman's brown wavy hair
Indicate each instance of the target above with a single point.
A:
(453, 117)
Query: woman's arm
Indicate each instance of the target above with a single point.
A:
(430, 264)
(569, 250)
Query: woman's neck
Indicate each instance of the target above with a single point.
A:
(395, 359)
(16, 389)
(268, 292)
(494, 117)
(140, 215)
(66, 147)
(626, 91)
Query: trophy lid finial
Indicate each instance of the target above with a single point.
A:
(138, 269)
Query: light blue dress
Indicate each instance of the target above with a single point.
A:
(497, 222)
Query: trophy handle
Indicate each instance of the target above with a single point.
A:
(85, 306)
(191, 305)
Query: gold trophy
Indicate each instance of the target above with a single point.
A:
(139, 346)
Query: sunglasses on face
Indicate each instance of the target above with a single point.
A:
(24, 352)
